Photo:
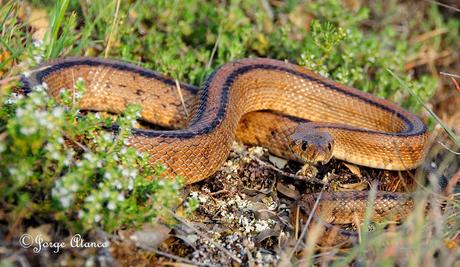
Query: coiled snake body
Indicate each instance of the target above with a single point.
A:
(363, 129)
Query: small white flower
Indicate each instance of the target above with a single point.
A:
(49, 147)
(133, 173)
(38, 58)
(106, 194)
(74, 187)
(89, 198)
(97, 218)
(89, 157)
(28, 131)
(118, 185)
(57, 112)
(107, 175)
(61, 190)
(55, 155)
(38, 88)
(69, 158)
(78, 95)
(107, 137)
(13, 171)
(99, 163)
(111, 205)
(20, 112)
(65, 201)
(37, 43)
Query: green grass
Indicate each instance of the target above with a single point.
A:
(187, 40)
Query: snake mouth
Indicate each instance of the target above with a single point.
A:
(311, 145)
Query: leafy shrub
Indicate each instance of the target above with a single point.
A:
(55, 161)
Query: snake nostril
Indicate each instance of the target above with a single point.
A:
(329, 146)
(304, 145)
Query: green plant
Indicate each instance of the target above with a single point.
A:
(55, 161)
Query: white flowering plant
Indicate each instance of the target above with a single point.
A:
(57, 164)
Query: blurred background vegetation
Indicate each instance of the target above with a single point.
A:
(353, 42)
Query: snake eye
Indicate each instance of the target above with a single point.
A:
(329, 146)
(304, 145)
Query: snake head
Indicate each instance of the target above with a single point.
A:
(311, 145)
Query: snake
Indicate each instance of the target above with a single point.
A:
(294, 112)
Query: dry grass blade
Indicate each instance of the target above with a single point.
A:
(456, 84)
(174, 257)
(449, 132)
(447, 148)
(286, 174)
(179, 91)
(18, 77)
(9, 79)
(444, 5)
(201, 234)
(112, 30)
(284, 260)
(449, 74)
(213, 52)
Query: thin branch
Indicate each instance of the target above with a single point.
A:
(171, 256)
(304, 230)
(112, 29)
(201, 234)
(444, 5)
(18, 77)
(179, 90)
(449, 74)
(10, 79)
(286, 174)
(213, 52)
(446, 147)
(449, 132)
(80, 145)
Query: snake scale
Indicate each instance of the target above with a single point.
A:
(259, 101)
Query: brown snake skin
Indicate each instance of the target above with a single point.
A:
(350, 207)
(366, 130)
